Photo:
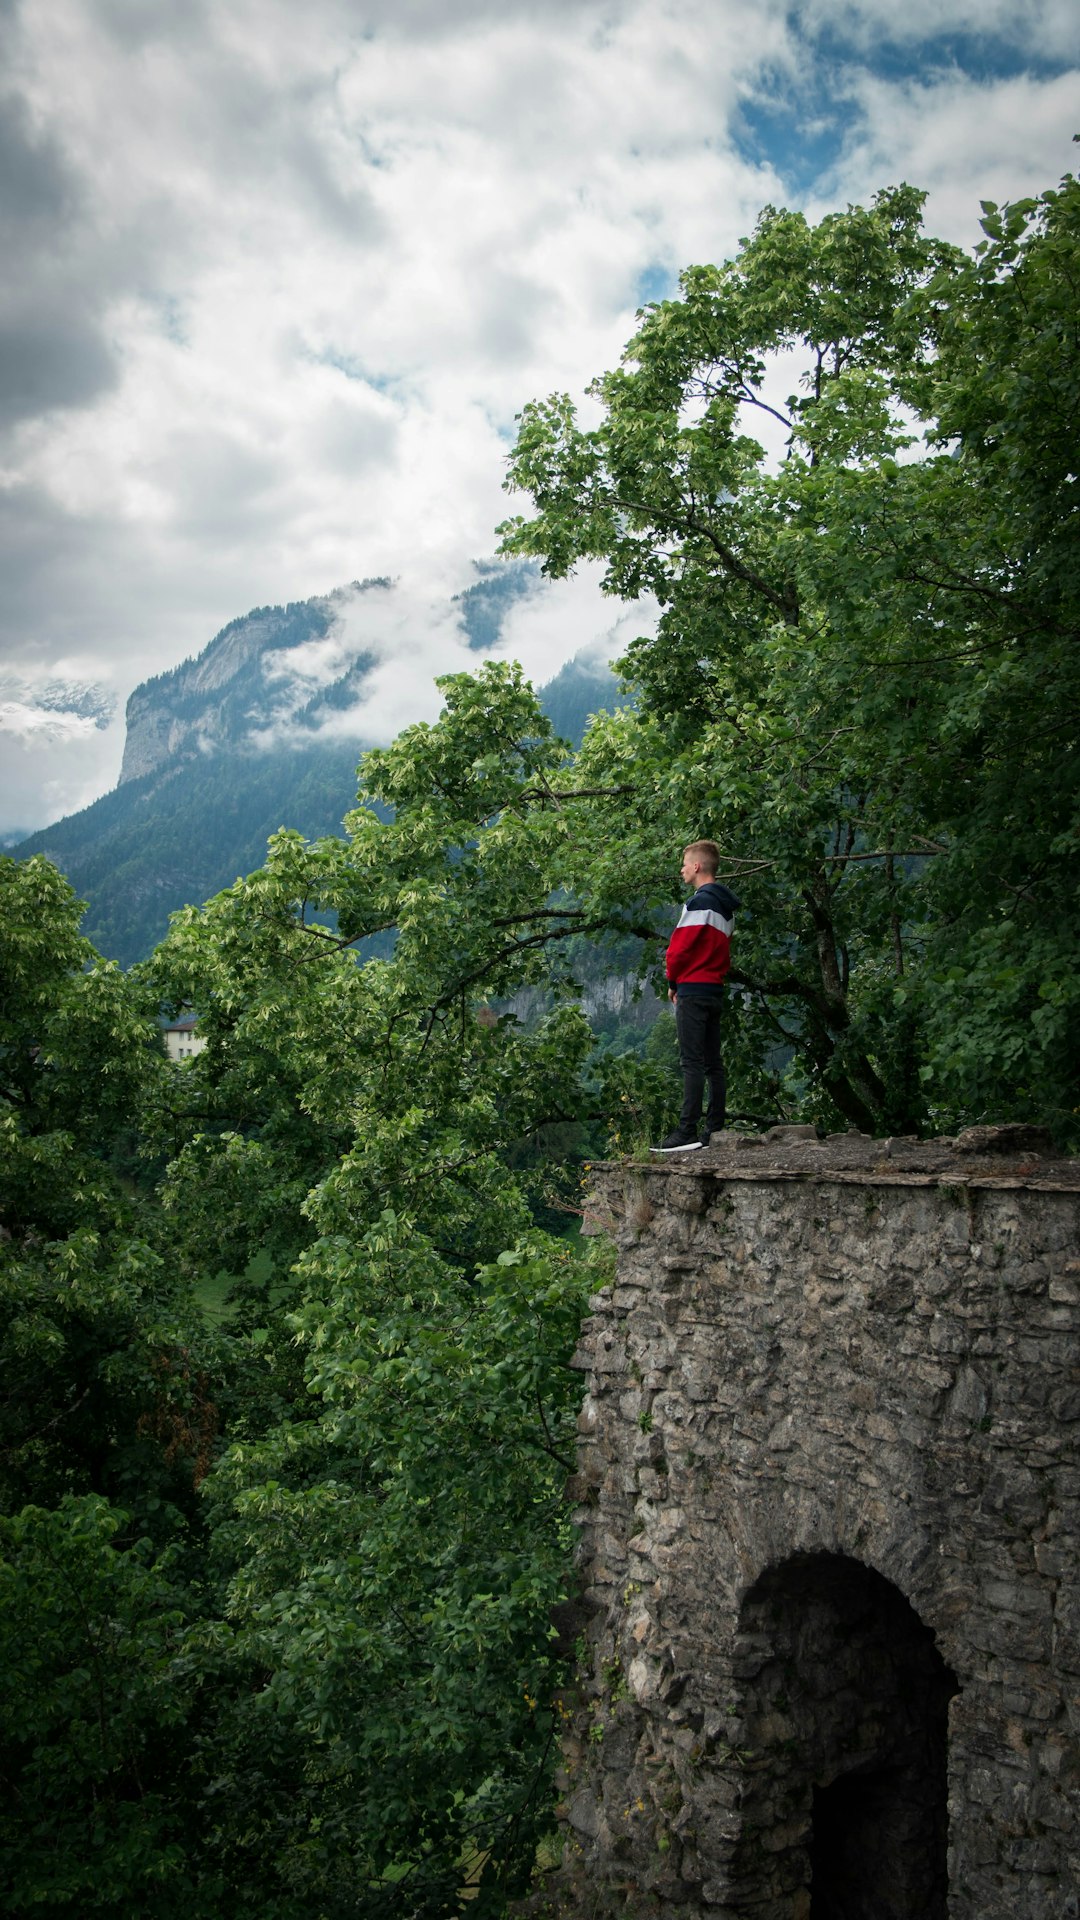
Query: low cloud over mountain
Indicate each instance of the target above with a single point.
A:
(263, 729)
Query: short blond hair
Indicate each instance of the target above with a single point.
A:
(707, 852)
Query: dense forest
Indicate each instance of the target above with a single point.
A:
(279, 1562)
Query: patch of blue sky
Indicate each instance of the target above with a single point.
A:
(655, 282)
(799, 125)
(981, 57)
(800, 137)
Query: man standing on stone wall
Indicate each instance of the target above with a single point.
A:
(698, 957)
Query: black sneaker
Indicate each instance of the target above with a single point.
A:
(679, 1140)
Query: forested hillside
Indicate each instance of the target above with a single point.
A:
(277, 1581)
(184, 831)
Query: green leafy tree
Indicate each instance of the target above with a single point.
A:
(360, 1610)
(391, 1564)
(103, 1357)
(860, 680)
(388, 1527)
(107, 1421)
(96, 1815)
(389, 1083)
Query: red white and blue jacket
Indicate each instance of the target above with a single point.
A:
(699, 951)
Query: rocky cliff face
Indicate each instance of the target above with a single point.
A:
(283, 671)
(218, 699)
(152, 737)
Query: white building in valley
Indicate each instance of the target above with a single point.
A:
(181, 1040)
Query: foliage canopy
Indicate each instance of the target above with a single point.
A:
(275, 1634)
(861, 681)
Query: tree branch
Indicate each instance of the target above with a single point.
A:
(886, 853)
(541, 913)
(551, 1448)
(786, 601)
(337, 943)
(575, 793)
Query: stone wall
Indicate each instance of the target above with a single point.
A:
(829, 1500)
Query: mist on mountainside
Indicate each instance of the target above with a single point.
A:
(263, 730)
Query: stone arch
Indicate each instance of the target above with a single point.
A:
(842, 1702)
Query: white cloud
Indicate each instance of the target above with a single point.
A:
(47, 773)
(24, 721)
(549, 627)
(415, 632)
(919, 130)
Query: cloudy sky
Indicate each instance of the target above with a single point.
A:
(278, 278)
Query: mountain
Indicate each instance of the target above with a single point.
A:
(219, 700)
(263, 730)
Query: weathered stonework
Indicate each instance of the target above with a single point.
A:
(830, 1498)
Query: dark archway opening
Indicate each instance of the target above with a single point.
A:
(844, 1707)
(877, 1849)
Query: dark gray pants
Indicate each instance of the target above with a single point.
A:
(697, 1025)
